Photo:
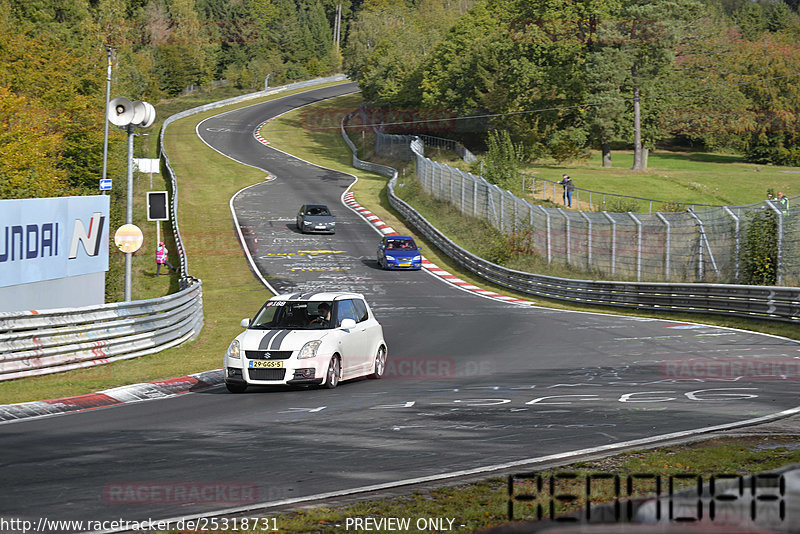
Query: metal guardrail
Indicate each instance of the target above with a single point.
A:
(41, 342)
(772, 303)
(49, 341)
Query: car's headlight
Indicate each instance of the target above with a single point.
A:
(417, 258)
(332, 224)
(233, 350)
(307, 223)
(389, 257)
(309, 350)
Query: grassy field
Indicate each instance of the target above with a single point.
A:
(677, 176)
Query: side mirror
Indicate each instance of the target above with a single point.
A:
(348, 324)
(245, 323)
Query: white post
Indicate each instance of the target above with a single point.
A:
(613, 243)
(638, 247)
(667, 245)
(588, 239)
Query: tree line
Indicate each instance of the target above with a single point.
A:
(54, 54)
(559, 78)
(565, 77)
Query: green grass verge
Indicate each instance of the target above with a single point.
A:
(671, 176)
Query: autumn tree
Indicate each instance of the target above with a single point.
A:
(29, 150)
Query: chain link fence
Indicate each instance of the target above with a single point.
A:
(696, 245)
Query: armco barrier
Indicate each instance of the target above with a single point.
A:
(50, 341)
(761, 302)
(42, 342)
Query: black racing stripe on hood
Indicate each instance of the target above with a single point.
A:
(264, 343)
(294, 296)
(307, 296)
(277, 340)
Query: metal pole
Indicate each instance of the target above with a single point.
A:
(474, 198)
(613, 243)
(638, 247)
(588, 238)
(779, 261)
(502, 211)
(737, 244)
(461, 183)
(567, 241)
(129, 210)
(514, 222)
(700, 266)
(110, 53)
(668, 242)
(548, 240)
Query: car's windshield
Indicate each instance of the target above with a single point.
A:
(318, 211)
(401, 244)
(294, 315)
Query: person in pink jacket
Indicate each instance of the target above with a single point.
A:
(161, 258)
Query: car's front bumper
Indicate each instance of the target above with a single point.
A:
(325, 228)
(405, 265)
(292, 372)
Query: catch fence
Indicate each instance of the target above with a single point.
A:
(700, 244)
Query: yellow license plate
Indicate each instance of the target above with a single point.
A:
(266, 364)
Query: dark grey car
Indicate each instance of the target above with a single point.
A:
(315, 218)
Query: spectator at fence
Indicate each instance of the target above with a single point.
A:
(569, 187)
(161, 258)
(783, 202)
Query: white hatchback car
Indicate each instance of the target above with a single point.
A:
(307, 339)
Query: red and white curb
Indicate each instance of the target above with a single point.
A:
(257, 133)
(112, 397)
(429, 266)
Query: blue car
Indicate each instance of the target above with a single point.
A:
(399, 252)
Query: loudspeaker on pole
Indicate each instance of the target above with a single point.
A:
(120, 111)
(144, 114)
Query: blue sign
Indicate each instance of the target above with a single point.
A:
(105, 184)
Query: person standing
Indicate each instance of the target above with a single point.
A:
(161, 258)
(569, 187)
(783, 202)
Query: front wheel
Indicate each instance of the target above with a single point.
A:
(334, 373)
(380, 363)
